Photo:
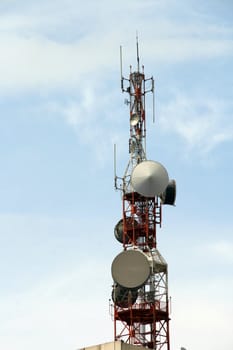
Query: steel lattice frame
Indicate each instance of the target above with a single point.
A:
(146, 321)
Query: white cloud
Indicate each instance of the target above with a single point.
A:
(35, 55)
(44, 63)
(202, 124)
(96, 117)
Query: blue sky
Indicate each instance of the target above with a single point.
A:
(61, 112)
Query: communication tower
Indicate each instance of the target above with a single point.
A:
(140, 298)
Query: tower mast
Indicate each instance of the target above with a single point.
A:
(140, 273)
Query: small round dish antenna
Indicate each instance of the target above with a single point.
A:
(134, 119)
(149, 178)
(130, 224)
(124, 297)
(169, 195)
(130, 269)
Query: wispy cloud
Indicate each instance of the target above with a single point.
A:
(48, 58)
(96, 117)
(202, 124)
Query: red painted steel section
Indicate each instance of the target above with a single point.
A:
(146, 322)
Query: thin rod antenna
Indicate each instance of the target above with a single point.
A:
(137, 50)
(122, 87)
(115, 176)
(153, 91)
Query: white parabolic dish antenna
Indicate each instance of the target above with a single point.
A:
(130, 269)
(134, 119)
(149, 178)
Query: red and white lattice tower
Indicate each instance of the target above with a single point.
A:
(140, 289)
